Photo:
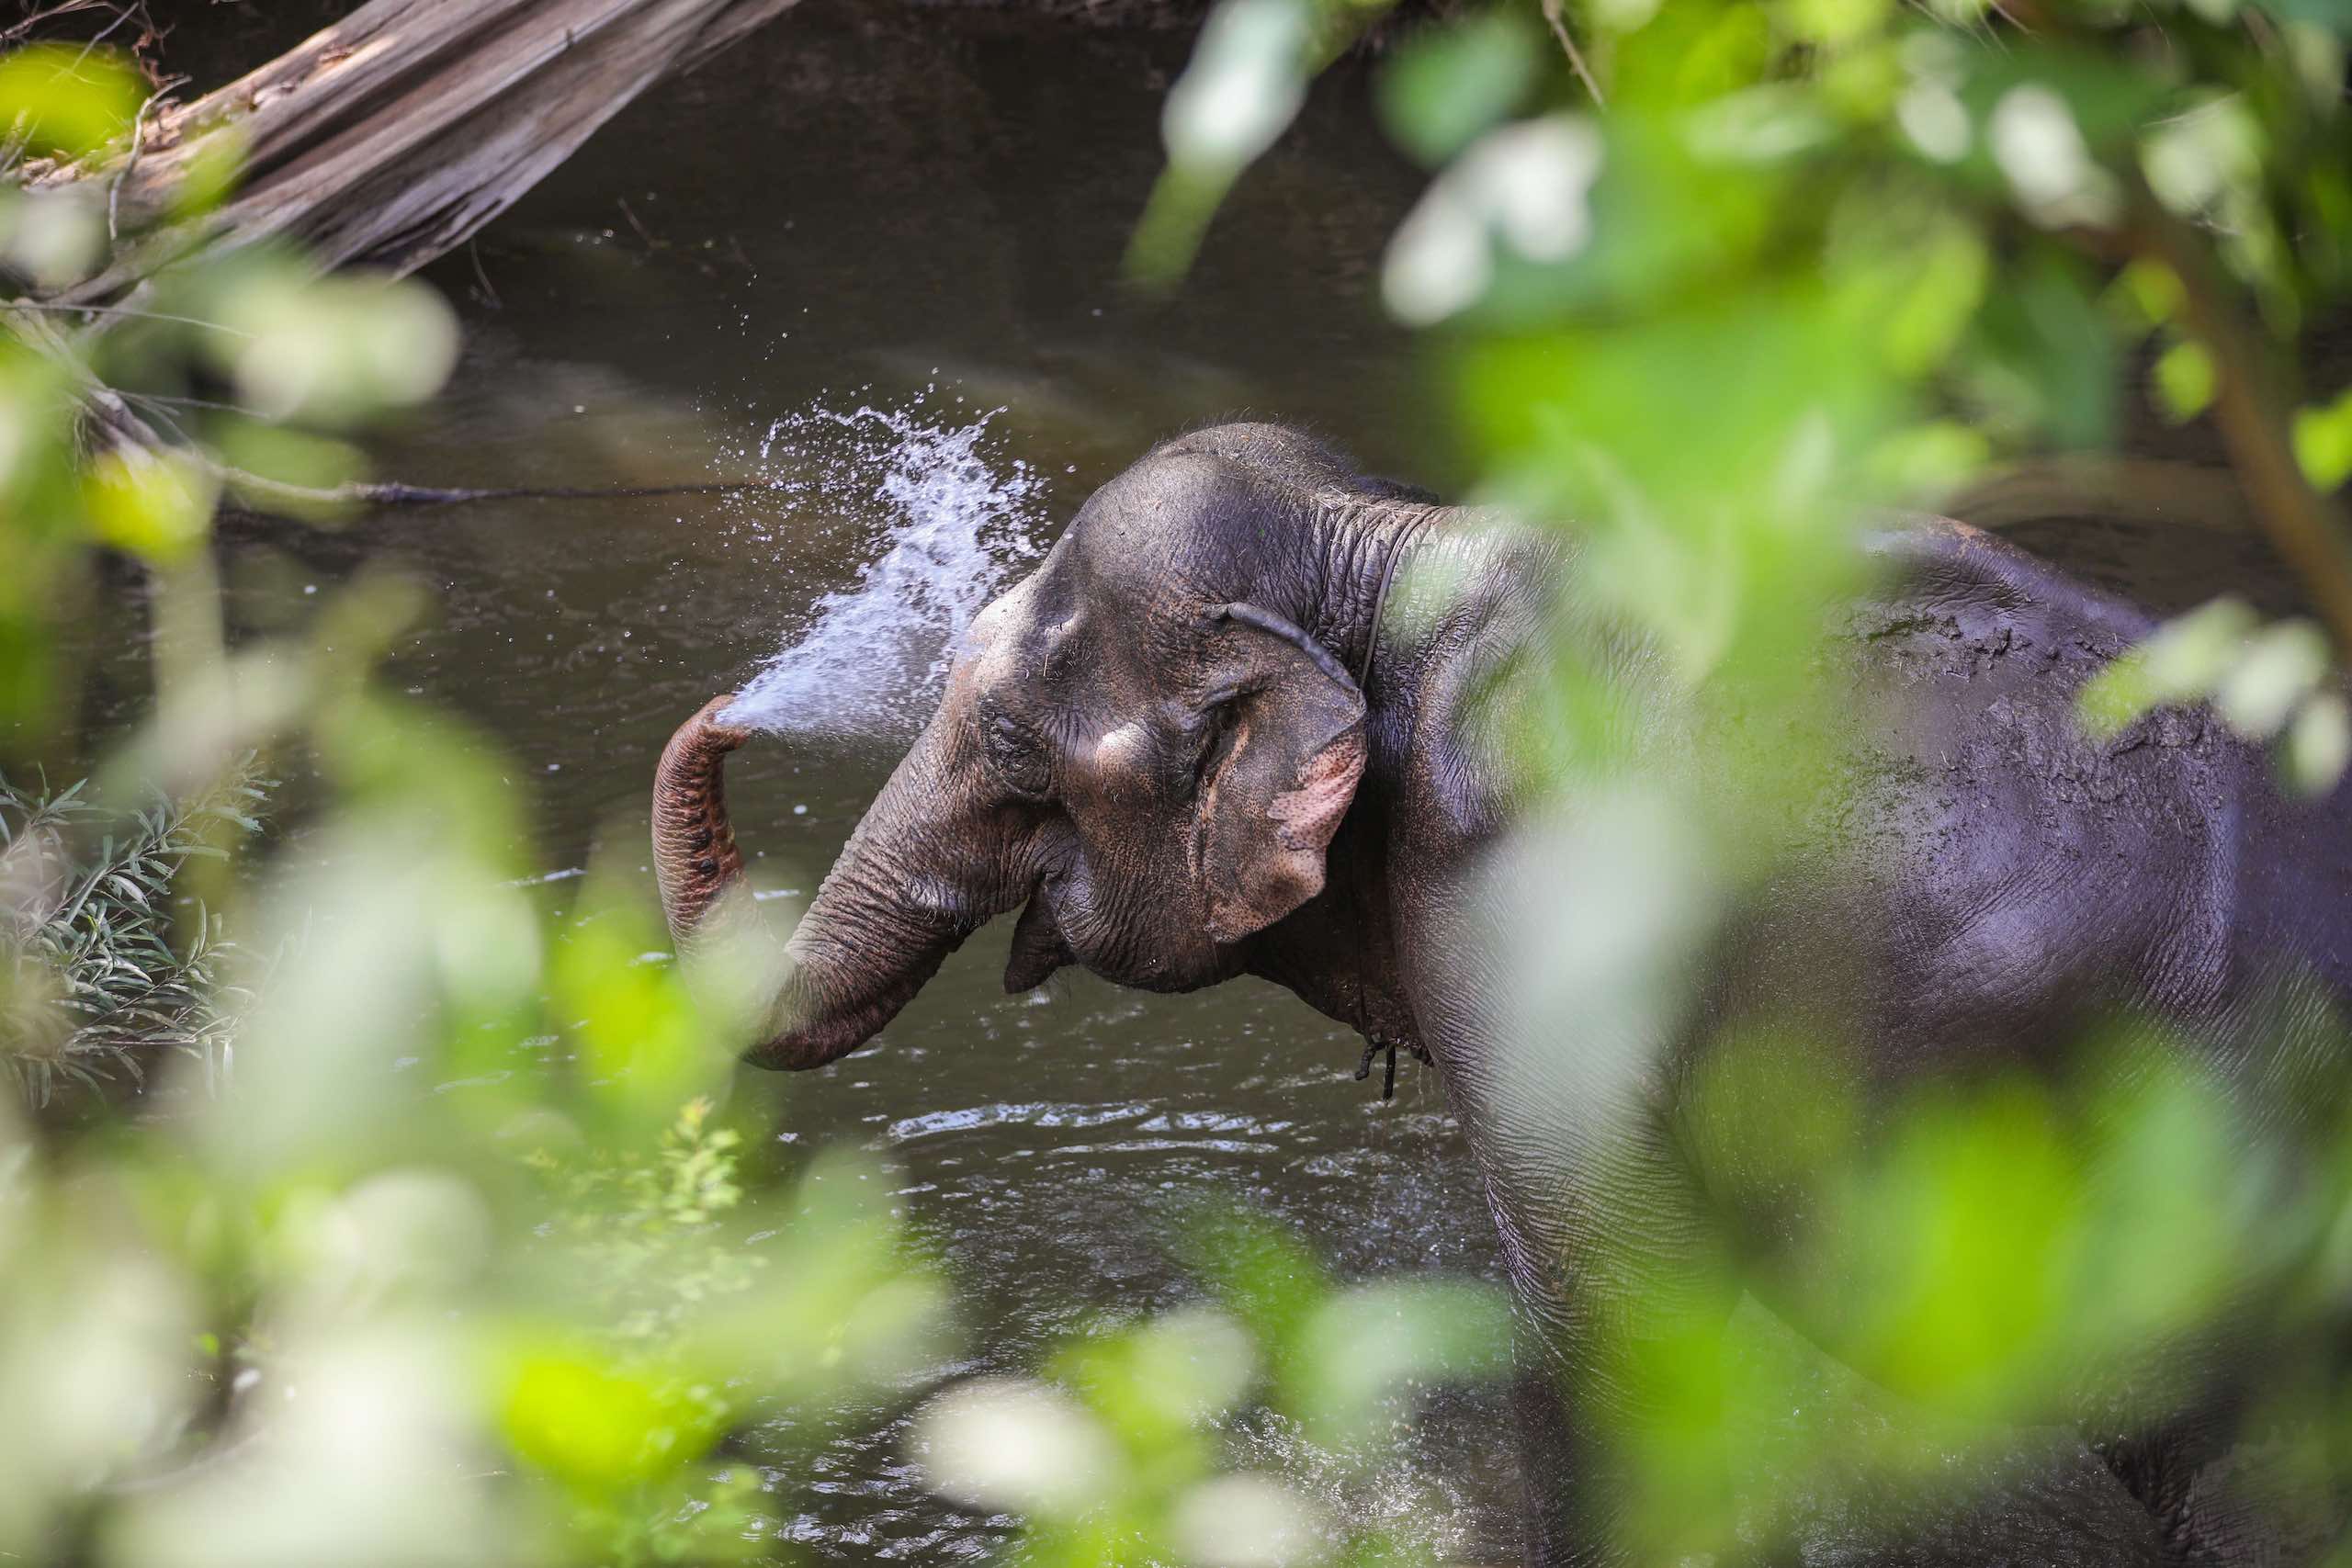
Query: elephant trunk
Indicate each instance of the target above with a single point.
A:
(876, 930)
(694, 857)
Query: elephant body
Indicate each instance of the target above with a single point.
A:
(1246, 718)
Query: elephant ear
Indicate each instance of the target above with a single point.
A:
(1280, 779)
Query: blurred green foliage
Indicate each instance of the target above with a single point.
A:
(1819, 258)
(439, 1249)
(435, 1252)
(1127, 1449)
(1713, 287)
(65, 101)
(461, 1265)
(431, 1276)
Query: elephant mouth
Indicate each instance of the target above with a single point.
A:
(1038, 948)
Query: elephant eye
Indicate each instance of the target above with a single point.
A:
(1219, 721)
(1017, 757)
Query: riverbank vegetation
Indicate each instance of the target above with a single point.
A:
(102, 984)
(436, 1246)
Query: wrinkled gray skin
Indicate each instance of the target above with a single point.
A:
(1221, 731)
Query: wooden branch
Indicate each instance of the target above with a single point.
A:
(393, 135)
(2303, 526)
(387, 492)
(387, 139)
(1559, 25)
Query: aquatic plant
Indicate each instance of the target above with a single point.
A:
(647, 1233)
(106, 963)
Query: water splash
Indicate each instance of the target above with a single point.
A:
(955, 522)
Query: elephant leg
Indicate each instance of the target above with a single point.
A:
(2224, 1466)
(2217, 1494)
(2167, 1471)
(1622, 1302)
(1548, 1453)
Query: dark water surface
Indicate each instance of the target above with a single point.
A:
(924, 212)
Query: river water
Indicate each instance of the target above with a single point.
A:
(871, 255)
(920, 215)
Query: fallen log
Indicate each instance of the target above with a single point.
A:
(393, 135)
(385, 139)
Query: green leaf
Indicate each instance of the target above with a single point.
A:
(583, 1418)
(1263, 1277)
(1681, 56)
(1946, 284)
(67, 99)
(1622, 16)
(2334, 15)
(2324, 443)
(1922, 461)
(2184, 661)
(2319, 745)
(1763, 124)
(156, 507)
(2110, 99)
(2047, 357)
(1359, 1344)
(2318, 58)
(1833, 22)
(2144, 296)
(2183, 387)
(2280, 669)
(1243, 86)
(1451, 84)
(2204, 156)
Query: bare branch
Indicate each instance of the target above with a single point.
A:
(1552, 15)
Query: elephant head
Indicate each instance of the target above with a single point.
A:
(1147, 747)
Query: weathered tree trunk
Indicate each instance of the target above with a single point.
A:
(393, 135)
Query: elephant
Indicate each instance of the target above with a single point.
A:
(1240, 721)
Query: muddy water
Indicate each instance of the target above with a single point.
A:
(925, 219)
(921, 213)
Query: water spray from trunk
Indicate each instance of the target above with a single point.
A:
(955, 522)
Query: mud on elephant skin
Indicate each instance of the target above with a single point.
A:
(1232, 725)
